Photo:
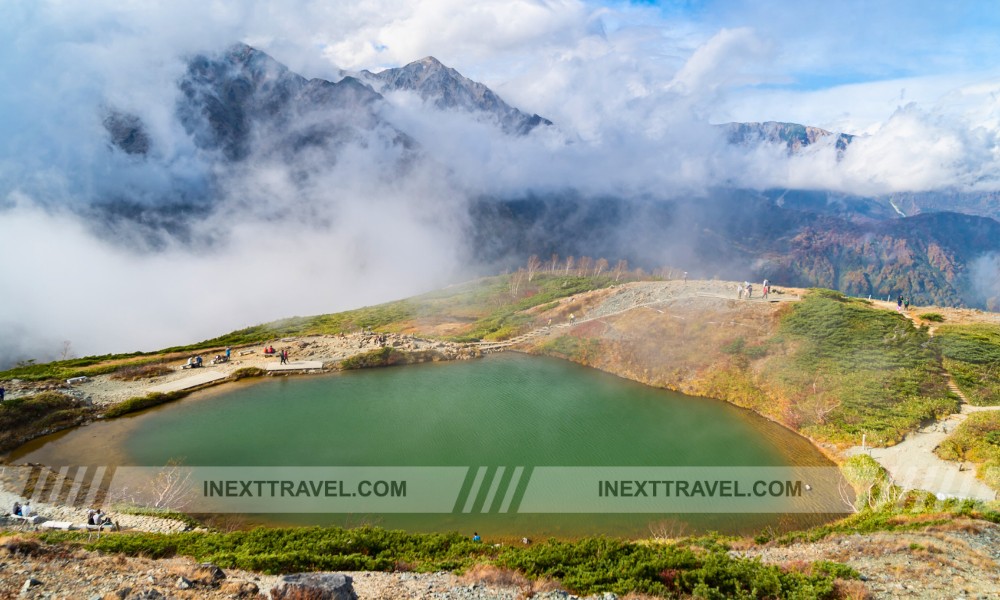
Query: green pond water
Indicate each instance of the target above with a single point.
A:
(507, 409)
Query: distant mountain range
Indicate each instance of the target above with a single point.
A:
(792, 135)
(242, 103)
(737, 235)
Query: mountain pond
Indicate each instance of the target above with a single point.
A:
(499, 412)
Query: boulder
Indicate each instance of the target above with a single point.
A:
(314, 586)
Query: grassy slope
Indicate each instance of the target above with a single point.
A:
(832, 367)
(972, 356)
(857, 370)
(485, 309)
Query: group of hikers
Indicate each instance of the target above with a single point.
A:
(196, 361)
(98, 518)
(21, 510)
(95, 517)
(282, 354)
(745, 290)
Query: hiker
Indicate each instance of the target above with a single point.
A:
(3, 393)
(572, 318)
(739, 291)
(284, 357)
(906, 304)
(229, 352)
(749, 290)
(899, 301)
(685, 276)
(17, 509)
(25, 510)
(475, 537)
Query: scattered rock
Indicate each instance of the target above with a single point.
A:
(183, 583)
(30, 583)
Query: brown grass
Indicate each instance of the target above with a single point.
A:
(135, 373)
(849, 589)
(22, 545)
(493, 576)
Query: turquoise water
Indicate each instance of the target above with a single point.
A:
(507, 409)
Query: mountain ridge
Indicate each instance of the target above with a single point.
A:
(447, 89)
(242, 102)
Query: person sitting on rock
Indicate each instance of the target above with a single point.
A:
(17, 509)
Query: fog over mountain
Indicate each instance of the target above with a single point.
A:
(157, 187)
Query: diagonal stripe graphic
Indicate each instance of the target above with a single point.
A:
(474, 492)
(515, 481)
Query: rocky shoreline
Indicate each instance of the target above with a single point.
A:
(105, 390)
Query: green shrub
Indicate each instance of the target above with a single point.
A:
(141, 403)
(25, 418)
(976, 439)
(932, 316)
(586, 566)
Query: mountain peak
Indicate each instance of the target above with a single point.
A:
(428, 61)
(448, 90)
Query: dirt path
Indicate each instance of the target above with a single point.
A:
(913, 464)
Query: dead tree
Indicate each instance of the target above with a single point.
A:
(620, 268)
(534, 264)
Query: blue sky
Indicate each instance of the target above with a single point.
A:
(829, 43)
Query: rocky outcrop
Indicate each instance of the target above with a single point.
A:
(127, 133)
